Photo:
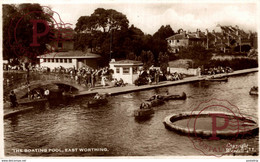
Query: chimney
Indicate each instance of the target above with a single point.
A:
(237, 30)
(249, 35)
(184, 32)
(198, 33)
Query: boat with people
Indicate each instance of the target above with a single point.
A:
(155, 100)
(183, 96)
(253, 90)
(144, 111)
(161, 98)
(218, 79)
(98, 100)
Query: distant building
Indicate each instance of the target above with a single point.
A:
(233, 38)
(69, 59)
(183, 39)
(126, 69)
(64, 54)
(228, 39)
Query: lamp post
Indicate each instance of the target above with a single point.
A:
(110, 49)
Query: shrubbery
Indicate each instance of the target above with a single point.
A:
(235, 64)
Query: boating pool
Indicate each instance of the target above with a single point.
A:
(70, 124)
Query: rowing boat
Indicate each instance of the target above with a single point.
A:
(97, 102)
(143, 112)
(225, 79)
(175, 97)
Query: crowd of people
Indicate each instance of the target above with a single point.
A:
(37, 93)
(149, 76)
(155, 76)
(84, 75)
(217, 70)
(118, 83)
(89, 77)
(174, 76)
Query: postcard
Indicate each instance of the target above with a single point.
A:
(130, 79)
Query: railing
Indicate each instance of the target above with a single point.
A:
(14, 79)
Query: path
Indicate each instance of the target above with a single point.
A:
(133, 88)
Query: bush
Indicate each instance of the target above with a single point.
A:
(235, 64)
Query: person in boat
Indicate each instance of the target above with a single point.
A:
(97, 97)
(145, 106)
(46, 93)
(142, 105)
(38, 95)
(156, 96)
(254, 88)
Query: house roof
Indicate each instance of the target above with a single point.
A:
(194, 35)
(126, 62)
(70, 54)
(176, 36)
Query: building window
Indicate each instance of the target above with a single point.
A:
(134, 70)
(125, 70)
(44, 60)
(65, 60)
(57, 60)
(70, 60)
(178, 41)
(117, 70)
(49, 60)
(59, 45)
(61, 60)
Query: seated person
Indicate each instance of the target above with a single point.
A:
(97, 96)
(121, 82)
(156, 96)
(142, 105)
(145, 106)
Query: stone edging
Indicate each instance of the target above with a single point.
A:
(169, 124)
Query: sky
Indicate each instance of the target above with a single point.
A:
(149, 17)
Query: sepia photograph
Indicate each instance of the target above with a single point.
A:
(130, 79)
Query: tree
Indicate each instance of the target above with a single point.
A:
(180, 30)
(147, 58)
(158, 41)
(131, 56)
(103, 28)
(163, 61)
(18, 30)
(8, 12)
(197, 53)
(163, 32)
